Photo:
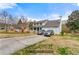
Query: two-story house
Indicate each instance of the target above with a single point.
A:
(54, 25)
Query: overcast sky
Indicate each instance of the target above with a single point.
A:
(40, 11)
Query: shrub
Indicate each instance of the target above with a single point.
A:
(62, 33)
(63, 51)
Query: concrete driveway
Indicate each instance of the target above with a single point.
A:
(10, 45)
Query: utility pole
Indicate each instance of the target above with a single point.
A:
(60, 17)
(60, 22)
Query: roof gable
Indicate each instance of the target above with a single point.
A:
(52, 23)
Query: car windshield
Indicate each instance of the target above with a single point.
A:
(40, 31)
(48, 30)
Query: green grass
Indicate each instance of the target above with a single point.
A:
(30, 49)
(63, 51)
(56, 45)
(33, 49)
(73, 37)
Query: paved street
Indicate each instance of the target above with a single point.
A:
(10, 45)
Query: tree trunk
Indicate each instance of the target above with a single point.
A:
(5, 25)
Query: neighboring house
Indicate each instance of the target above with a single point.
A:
(8, 25)
(54, 25)
(21, 26)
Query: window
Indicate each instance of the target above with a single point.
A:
(34, 28)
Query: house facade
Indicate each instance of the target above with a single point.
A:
(3, 24)
(54, 25)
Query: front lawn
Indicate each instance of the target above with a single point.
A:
(55, 45)
(4, 34)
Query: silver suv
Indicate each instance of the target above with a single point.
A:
(48, 33)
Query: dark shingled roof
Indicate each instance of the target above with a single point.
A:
(52, 23)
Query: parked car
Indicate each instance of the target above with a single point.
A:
(40, 32)
(48, 33)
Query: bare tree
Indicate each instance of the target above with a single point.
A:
(11, 17)
(4, 15)
(10, 21)
(24, 24)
